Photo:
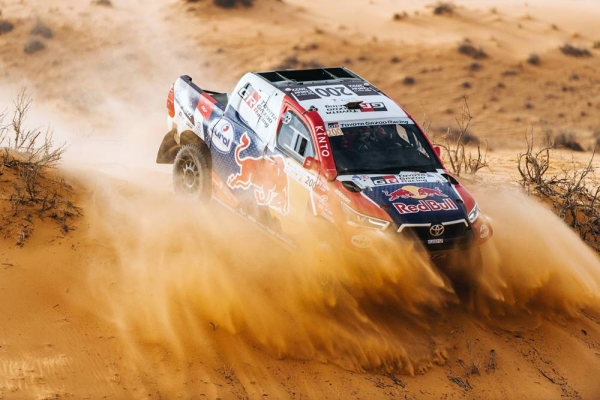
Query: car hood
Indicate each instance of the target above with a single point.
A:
(412, 197)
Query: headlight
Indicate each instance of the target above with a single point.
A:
(474, 214)
(356, 219)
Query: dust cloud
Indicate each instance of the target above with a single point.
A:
(188, 278)
(534, 263)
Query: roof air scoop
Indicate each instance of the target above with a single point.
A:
(353, 105)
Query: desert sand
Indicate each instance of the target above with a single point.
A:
(150, 296)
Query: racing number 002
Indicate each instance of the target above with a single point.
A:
(336, 91)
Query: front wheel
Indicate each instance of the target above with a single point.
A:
(192, 172)
(464, 269)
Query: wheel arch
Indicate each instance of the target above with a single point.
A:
(173, 142)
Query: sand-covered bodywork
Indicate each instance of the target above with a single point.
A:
(143, 299)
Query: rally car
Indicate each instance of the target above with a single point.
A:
(288, 147)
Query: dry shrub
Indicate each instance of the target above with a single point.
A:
(400, 16)
(42, 30)
(28, 188)
(468, 49)
(293, 62)
(570, 50)
(567, 140)
(533, 59)
(442, 8)
(33, 46)
(107, 3)
(233, 3)
(596, 44)
(454, 144)
(574, 192)
(408, 80)
(6, 26)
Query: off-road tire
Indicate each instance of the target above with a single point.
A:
(464, 269)
(192, 172)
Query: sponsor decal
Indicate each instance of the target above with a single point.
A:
(334, 132)
(267, 116)
(484, 231)
(401, 121)
(331, 109)
(259, 106)
(303, 93)
(414, 192)
(333, 129)
(370, 107)
(425, 206)
(342, 196)
(435, 241)
(362, 241)
(205, 106)
(322, 141)
(222, 136)
(359, 177)
(301, 175)
(250, 96)
(363, 90)
(398, 179)
(265, 174)
(187, 103)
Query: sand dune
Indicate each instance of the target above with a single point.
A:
(145, 301)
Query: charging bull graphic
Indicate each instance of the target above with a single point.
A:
(413, 192)
(396, 194)
(266, 174)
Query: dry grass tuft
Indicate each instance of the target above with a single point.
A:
(42, 30)
(533, 59)
(107, 3)
(33, 46)
(573, 192)
(443, 8)
(567, 140)
(233, 3)
(6, 26)
(29, 190)
(454, 144)
(468, 49)
(570, 50)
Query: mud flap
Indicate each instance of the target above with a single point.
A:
(168, 149)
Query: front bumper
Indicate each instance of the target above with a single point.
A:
(455, 235)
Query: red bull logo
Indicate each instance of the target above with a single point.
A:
(265, 174)
(430, 192)
(398, 193)
(414, 192)
(425, 206)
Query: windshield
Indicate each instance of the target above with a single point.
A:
(381, 149)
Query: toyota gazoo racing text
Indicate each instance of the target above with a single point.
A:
(287, 147)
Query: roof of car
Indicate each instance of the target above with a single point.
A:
(338, 94)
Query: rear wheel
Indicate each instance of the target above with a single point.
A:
(464, 269)
(191, 172)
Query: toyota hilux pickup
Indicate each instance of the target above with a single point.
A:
(288, 147)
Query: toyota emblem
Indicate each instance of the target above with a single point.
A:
(436, 230)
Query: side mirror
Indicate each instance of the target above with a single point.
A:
(311, 163)
(437, 150)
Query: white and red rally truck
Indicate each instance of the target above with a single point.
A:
(289, 147)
